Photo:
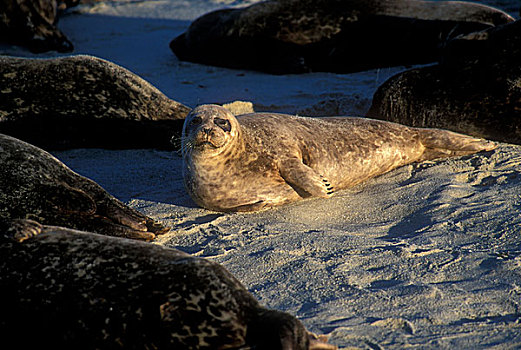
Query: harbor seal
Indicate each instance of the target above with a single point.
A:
(475, 89)
(343, 36)
(82, 290)
(84, 101)
(262, 160)
(32, 23)
(35, 185)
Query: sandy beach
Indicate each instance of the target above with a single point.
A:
(427, 256)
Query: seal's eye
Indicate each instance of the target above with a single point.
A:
(223, 124)
(196, 120)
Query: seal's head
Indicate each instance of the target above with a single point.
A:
(209, 130)
(273, 329)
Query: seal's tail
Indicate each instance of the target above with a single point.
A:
(442, 143)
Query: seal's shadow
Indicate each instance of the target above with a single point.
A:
(137, 174)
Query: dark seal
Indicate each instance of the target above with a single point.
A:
(86, 291)
(296, 36)
(32, 23)
(262, 160)
(84, 101)
(476, 89)
(35, 185)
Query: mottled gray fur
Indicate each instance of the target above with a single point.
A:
(269, 159)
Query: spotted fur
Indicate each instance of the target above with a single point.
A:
(269, 159)
(66, 289)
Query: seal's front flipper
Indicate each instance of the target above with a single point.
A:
(306, 181)
(64, 198)
(117, 212)
(19, 229)
(319, 342)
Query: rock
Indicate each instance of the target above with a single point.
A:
(239, 107)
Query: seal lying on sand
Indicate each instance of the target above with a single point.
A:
(32, 23)
(296, 36)
(83, 101)
(475, 90)
(85, 291)
(35, 185)
(261, 160)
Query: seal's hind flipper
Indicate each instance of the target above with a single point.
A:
(443, 143)
(156, 227)
(120, 214)
(105, 226)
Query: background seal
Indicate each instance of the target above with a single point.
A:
(35, 185)
(343, 36)
(84, 101)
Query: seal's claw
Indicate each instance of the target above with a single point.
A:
(156, 227)
(19, 229)
(319, 342)
(329, 188)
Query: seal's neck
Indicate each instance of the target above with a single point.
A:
(235, 148)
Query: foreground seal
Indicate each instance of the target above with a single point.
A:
(474, 90)
(84, 101)
(296, 36)
(35, 185)
(262, 160)
(80, 290)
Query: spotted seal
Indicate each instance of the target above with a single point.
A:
(32, 24)
(262, 160)
(84, 101)
(35, 185)
(298, 36)
(86, 291)
(476, 89)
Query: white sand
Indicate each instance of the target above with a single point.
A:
(427, 256)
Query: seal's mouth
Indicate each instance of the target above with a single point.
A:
(205, 145)
(206, 140)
